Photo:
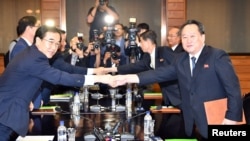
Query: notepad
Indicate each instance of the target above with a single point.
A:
(45, 110)
(60, 97)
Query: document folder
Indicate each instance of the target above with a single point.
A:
(216, 110)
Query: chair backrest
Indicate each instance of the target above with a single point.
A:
(246, 107)
(6, 58)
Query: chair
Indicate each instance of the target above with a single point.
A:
(246, 107)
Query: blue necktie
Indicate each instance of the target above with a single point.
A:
(193, 63)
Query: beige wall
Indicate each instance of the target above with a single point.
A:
(10, 12)
(148, 11)
(227, 22)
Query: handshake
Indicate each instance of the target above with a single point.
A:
(102, 76)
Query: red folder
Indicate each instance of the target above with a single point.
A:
(216, 110)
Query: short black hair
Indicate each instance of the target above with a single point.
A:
(24, 22)
(143, 26)
(41, 32)
(150, 34)
(200, 26)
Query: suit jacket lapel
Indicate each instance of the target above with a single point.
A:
(186, 66)
(159, 59)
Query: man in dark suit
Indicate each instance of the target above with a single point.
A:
(25, 74)
(174, 40)
(209, 77)
(172, 125)
(155, 57)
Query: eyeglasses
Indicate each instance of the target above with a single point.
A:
(57, 45)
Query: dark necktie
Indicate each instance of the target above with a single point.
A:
(193, 63)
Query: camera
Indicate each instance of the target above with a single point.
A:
(114, 50)
(109, 36)
(132, 49)
(132, 33)
(114, 55)
(96, 42)
(80, 44)
(102, 2)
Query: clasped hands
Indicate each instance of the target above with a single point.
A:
(113, 80)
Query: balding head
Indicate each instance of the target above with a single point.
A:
(173, 37)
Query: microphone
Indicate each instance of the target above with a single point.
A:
(98, 134)
(89, 137)
(119, 123)
(115, 129)
(59, 109)
(141, 113)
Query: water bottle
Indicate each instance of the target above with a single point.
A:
(147, 124)
(61, 132)
(76, 104)
(129, 103)
(85, 97)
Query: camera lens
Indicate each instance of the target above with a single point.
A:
(114, 55)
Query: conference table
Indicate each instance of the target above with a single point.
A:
(89, 125)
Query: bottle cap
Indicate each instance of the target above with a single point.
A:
(61, 122)
(148, 112)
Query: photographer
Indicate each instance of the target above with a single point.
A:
(83, 56)
(78, 53)
(96, 15)
(112, 57)
(119, 35)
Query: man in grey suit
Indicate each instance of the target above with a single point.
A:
(23, 77)
(213, 77)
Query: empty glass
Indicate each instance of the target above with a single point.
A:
(71, 134)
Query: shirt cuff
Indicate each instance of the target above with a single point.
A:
(89, 80)
(90, 71)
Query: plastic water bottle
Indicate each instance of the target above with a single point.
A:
(129, 103)
(61, 132)
(76, 104)
(86, 99)
(147, 124)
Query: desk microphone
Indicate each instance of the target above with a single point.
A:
(96, 132)
(119, 123)
(59, 110)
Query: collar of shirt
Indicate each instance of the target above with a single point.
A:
(197, 55)
(174, 47)
(27, 41)
(152, 57)
(118, 42)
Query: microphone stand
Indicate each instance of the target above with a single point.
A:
(100, 135)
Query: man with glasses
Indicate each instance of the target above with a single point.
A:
(24, 76)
